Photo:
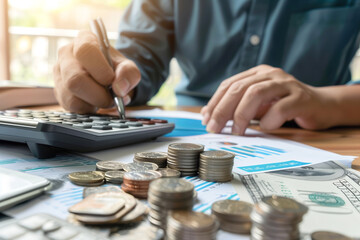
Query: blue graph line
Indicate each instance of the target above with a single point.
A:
(251, 150)
(270, 148)
(206, 186)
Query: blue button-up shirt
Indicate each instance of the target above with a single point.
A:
(314, 40)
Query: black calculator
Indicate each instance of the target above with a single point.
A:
(45, 132)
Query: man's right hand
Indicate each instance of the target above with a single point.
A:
(82, 76)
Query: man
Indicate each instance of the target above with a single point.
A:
(266, 59)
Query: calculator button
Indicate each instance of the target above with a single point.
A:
(134, 124)
(101, 122)
(84, 236)
(11, 231)
(118, 125)
(147, 122)
(159, 120)
(33, 222)
(63, 233)
(85, 119)
(99, 118)
(102, 127)
(32, 236)
(118, 121)
(50, 226)
(68, 116)
(67, 123)
(80, 125)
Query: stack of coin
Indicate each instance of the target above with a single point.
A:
(115, 177)
(184, 225)
(109, 166)
(233, 215)
(216, 166)
(327, 235)
(137, 183)
(184, 157)
(277, 217)
(169, 194)
(87, 179)
(159, 158)
(140, 166)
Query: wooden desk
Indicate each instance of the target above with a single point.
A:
(342, 140)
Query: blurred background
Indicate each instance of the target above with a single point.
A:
(38, 28)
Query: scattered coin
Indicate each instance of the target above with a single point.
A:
(87, 191)
(130, 204)
(191, 225)
(327, 235)
(136, 214)
(140, 166)
(115, 177)
(90, 178)
(169, 173)
(159, 158)
(277, 217)
(102, 204)
(109, 166)
(142, 231)
(216, 166)
(137, 183)
(233, 216)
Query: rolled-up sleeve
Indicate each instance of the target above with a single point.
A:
(147, 37)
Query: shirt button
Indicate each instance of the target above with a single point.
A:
(254, 40)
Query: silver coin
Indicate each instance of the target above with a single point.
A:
(169, 173)
(327, 235)
(142, 176)
(151, 155)
(282, 205)
(109, 166)
(140, 166)
(87, 191)
(186, 147)
(218, 155)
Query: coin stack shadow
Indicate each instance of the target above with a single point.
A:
(184, 157)
(216, 166)
(137, 183)
(233, 215)
(167, 194)
(277, 217)
(159, 158)
(184, 225)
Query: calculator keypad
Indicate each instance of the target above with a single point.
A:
(89, 122)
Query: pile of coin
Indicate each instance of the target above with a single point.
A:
(184, 157)
(107, 208)
(233, 215)
(109, 166)
(115, 177)
(169, 173)
(277, 217)
(88, 178)
(184, 225)
(137, 183)
(159, 158)
(169, 194)
(140, 166)
(216, 166)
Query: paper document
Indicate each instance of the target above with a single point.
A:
(331, 192)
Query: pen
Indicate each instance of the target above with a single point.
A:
(98, 28)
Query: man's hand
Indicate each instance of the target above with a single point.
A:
(270, 95)
(82, 76)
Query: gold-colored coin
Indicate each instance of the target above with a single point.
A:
(86, 177)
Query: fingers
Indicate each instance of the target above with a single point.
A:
(127, 76)
(66, 99)
(87, 52)
(255, 97)
(77, 81)
(221, 91)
